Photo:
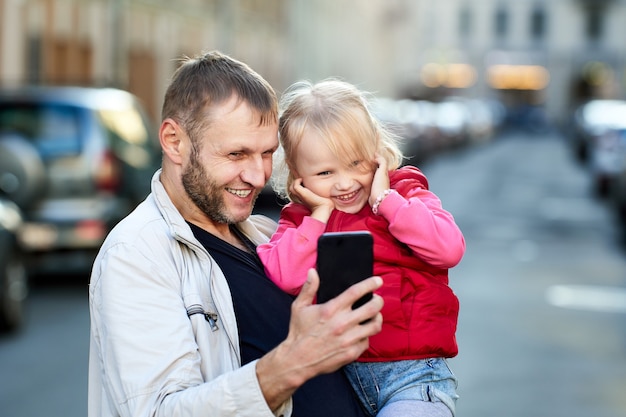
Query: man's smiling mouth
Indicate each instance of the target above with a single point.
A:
(239, 193)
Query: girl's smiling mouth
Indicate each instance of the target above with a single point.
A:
(347, 197)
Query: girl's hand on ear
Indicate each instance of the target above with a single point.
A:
(320, 207)
(380, 182)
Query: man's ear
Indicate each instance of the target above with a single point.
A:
(171, 136)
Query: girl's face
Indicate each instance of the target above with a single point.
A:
(348, 186)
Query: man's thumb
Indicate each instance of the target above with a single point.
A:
(309, 289)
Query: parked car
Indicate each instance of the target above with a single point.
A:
(602, 136)
(75, 161)
(13, 279)
(591, 120)
(413, 121)
(480, 118)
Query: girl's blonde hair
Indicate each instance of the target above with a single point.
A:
(339, 114)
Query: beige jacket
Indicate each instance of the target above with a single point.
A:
(164, 338)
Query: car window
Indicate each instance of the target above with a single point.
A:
(126, 124)
(129, 136)
(52, 129)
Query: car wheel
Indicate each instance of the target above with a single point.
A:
(22, 172)
(13, 285)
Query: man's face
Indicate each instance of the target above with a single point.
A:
(231, 164)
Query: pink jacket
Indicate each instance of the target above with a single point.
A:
(415, 243)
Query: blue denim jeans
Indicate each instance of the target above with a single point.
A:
(379, 383)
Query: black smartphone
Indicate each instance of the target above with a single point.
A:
(343, 259)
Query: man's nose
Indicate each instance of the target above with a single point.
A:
(254, 172)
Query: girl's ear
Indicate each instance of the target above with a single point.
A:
(171, 137)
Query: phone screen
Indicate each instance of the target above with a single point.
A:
(343, 259)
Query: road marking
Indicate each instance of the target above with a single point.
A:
(576, 209)
(588, 297)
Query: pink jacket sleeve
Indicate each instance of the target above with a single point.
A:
(291, 252)
(419, 221)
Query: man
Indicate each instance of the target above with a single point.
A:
(183, 321)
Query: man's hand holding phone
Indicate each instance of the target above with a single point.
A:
(322, 337)
(335, 331)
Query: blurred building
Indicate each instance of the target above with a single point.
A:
(547, 54)
(131, 44)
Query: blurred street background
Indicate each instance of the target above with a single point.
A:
(514, 109)
(542, 329)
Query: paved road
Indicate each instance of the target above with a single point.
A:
(532, 342)
(43, 369)
(537, 335)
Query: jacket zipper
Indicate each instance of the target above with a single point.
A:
(197, 309)
(211, 318)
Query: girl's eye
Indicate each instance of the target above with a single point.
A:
(356, 163)
(323, 173)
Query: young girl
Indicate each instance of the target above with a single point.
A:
(343, 174)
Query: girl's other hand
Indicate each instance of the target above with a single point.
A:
(380, 182)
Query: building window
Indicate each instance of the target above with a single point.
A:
(595, 23)
(33, 60)
(501, 24)
(538, 24)
(465, 22)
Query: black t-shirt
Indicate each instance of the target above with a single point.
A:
(262, 311)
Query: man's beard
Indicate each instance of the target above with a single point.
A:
(206, 194)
